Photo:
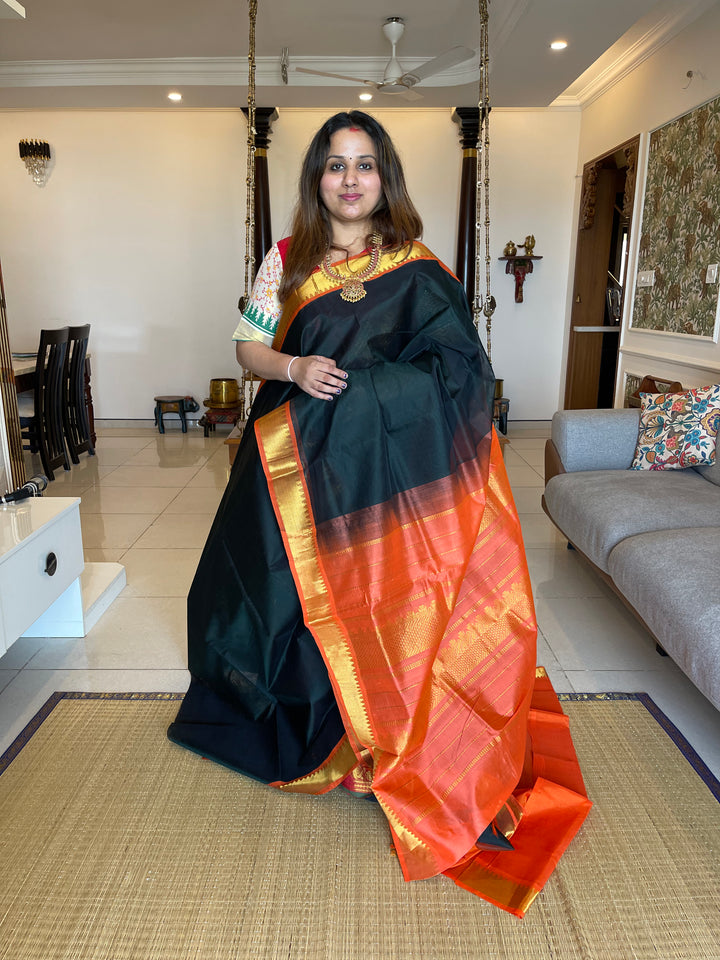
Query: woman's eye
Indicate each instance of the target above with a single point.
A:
(334, 167)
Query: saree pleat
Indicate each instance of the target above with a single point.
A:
(363, 608)
(260, 699)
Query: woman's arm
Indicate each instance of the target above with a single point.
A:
(318, 376)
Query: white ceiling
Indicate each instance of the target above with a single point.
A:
(130, 53)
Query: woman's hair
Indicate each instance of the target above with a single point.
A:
(395, 216)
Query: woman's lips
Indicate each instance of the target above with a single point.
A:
(350, 196)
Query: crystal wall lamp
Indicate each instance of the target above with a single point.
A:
(35, 154)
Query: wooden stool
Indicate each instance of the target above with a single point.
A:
(179, 405)
(233, 441)
(501, 407)
(215, 415)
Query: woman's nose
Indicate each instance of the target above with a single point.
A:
(350, 176)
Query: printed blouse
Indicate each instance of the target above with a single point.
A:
(262, 314)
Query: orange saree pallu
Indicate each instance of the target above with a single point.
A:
(397, 653)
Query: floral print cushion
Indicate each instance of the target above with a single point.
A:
(678, 430)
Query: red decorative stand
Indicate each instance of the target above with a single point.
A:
(519, 267)
(215, 415)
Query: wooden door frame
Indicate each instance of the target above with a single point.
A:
(623, 156)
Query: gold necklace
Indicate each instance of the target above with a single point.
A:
(352, 286)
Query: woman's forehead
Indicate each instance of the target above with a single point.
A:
(351, 142)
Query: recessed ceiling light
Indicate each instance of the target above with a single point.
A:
(175, 97)
(365, 96)
(558, 44)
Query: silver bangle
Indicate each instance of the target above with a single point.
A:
(292, 361)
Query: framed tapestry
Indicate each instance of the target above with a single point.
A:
(680, 234)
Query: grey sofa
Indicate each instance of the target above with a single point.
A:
(653, 536)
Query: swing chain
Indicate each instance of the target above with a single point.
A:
(485, 306)
(247, 377)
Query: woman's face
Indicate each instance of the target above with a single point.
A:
(350, 187)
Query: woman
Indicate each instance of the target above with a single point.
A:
(362, 614)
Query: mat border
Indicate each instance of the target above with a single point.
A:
(31, 728)
(685, 748)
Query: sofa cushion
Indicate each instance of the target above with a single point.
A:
(678, 430)
(595, 439)
(672, 579)
(596, 509)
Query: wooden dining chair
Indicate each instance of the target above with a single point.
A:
(41, 408)
(76, 423)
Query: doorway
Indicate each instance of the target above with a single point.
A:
(606, 206)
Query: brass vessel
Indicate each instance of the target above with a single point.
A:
(224, 392)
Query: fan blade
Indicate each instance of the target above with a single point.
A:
(336, 76)
(446, 60)
(397, 89)
(411, 95)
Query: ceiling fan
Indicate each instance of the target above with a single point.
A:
(395, 79)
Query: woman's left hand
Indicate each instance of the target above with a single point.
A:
(318, 376)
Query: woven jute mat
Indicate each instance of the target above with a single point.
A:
(118, 845)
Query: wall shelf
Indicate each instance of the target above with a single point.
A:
(519, 266)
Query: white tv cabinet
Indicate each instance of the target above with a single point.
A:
(46, 589)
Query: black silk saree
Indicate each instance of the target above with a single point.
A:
(362, 613)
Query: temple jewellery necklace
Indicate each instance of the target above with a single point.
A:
(352, 286)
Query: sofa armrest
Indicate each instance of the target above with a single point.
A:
(595, 439)
(553, 463)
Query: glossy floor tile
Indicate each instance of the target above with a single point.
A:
(159, 572)
(559, 572)
(127, 499)
(173, 530)
(103, 554)
(535, 456)
(215, 473)
(169, 453)
(523, 475)
(146, 475)
(595, 633)
(538, 531)
(134, 633)
(148, 500)
(528, 499)
(113, 529)
(196, 500)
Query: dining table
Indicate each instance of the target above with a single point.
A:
(24, 372)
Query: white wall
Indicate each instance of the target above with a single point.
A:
(140, 232)
(533, 160)
(655, 93)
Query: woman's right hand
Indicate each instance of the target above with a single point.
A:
(319, 376)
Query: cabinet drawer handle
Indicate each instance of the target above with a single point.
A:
(50, 564)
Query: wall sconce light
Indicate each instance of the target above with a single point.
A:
(519, 265)
(35, 154)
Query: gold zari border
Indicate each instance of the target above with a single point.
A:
(318, 283)
(291, 501)
(508, 817)
(508, 894)
(337, 766)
